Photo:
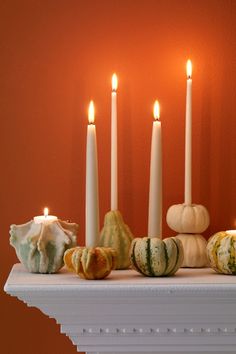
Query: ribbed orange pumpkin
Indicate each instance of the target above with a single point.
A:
(91, 262)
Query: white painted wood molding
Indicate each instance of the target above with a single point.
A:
(193, 312)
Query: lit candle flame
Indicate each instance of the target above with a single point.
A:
(91, 112)
(189, 69)
(46, 211)
(156, 110)
(114, 82)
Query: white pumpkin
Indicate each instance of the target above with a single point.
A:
(188, 219)
(195, 254)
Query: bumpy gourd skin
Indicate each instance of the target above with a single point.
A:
(40, 247)
(221, 252)
(153, 257)
(91, 262)
(116, 234)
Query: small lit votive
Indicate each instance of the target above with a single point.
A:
(45, 219)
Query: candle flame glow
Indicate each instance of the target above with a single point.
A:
(114, 82)
(156, 110)
(46, 211)
(231, 232)
(91, 112)
(189, 69)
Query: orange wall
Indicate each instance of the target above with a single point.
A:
(56, 56)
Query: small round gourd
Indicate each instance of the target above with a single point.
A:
(221, 252)
(154, 257)
(91, 262)
(195, 255)
(117, 235)
(188, 219)
(40, 247)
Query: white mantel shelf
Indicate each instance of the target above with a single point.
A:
(193, 312)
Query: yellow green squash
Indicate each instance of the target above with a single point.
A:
(90, 262)
(221, 252)
(116, 234)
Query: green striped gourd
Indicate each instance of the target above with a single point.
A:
(116, 234)
(154, 257)
(40, 247)
(221, 252)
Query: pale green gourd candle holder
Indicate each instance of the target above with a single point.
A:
(40, 246)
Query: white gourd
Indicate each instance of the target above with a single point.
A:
(195, 255)
(188, 219)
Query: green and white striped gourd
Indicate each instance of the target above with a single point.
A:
(117, 235)
(221, 252)
(154, 257)
(40, 247)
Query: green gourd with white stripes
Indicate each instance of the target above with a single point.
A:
(154, 257)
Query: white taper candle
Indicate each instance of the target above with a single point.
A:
(188, 138)
(114, 161)
(155, 186)
(92, 200)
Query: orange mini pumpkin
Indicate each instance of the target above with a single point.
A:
(91, 262)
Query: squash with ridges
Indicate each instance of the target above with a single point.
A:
(188, 219)
(91, 262)
(117, 235)
(154, 257)
(221, 252)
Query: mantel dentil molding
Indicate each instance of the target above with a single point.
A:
(193, 312)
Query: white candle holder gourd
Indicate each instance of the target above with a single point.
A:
(190, 221)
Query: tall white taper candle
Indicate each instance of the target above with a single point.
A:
(188, 137)
(114, 161)
(155, 186)
(92, 201)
